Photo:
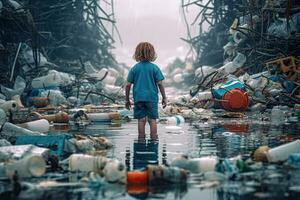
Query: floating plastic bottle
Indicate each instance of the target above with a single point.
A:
(196, 165)
(11, 130)
(282, 152)
(99, 117)
(60, 117)
(86, 163)
(26, 167)
(41, 125)
(113, 170)
(9, 105)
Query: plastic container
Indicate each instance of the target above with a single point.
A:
(18, 101)
(11, 130)
(235, 100)
(41, 125)
(281, 153)
(102, 117)
(137, 178)
(86, 163)
(114, 171)
(27, 167)
(175, 120)
(8, 105)
(219, 92)
(2, 117)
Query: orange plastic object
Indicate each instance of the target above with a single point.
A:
(137, 178)
(137, 189)
(236, 128)
(235, 100)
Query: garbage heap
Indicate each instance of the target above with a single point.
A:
(248, 57)
(58, 50)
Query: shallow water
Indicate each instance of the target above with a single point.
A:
(224, 138)
(221, 137)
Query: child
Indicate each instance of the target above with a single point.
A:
(146, 78)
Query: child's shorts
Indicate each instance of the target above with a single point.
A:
(145, 109)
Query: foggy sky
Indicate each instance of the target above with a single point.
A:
(157, 21)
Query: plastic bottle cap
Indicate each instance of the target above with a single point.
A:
(235, 100)
(137, 178)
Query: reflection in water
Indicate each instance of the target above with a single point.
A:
(198, 140)
(145, 152)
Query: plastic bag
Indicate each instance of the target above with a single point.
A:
(53, 79)
(18, 89)
(55, 96)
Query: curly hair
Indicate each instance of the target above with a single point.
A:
(144, 51)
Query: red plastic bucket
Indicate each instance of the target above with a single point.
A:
(235, 100)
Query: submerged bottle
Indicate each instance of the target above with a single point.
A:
(277, 116)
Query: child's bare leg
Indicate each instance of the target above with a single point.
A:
(153, 128)
(141, 127)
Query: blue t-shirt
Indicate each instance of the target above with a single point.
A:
(144, 77)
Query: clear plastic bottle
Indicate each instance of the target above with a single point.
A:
(277, 116)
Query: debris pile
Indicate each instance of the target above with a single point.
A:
(247, 60)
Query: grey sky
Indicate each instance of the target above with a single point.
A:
(157, 21)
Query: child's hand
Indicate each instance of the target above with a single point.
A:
(164, 102)
(128, 105)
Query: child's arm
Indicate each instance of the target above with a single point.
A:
(163, 93)
(127, 92)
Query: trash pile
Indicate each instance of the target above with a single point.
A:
(247, 60)
(58, 52)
